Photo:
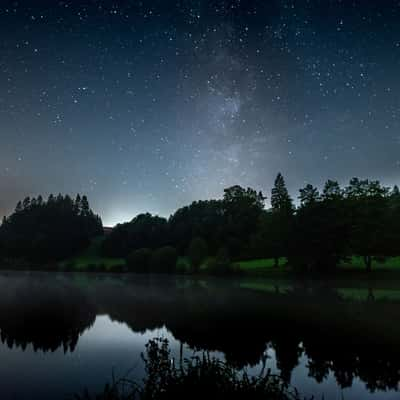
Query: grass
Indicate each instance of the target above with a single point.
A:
(266, 286)
(356, 263)
(362, 294)
(91, 257)
(259, 264)
(392, 263)
(199, 377)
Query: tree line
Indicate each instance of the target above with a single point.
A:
(325, 229)
(48, 230)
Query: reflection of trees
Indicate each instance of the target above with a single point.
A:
(287, 353)
(204, 317)
(351, 356)
(349, 339)
(243, 323)
(44, 314)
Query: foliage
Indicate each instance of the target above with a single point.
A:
(163, 260)
(370, 216)
(144, 231)
(236, 194)
(320, 237)
(90, 259)
(199, 219)
(199, 377)
(138, 260)
(242, 210)
(197, 252)
(308, 195)
(280, 199)
(45, 231)
(358, 220)
(183, 266)
(230, 221)
(332, 190)
(221, 264)
(325, 230)
(271, 238)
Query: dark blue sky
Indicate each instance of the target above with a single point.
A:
(148, 105)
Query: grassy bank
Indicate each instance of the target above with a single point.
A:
(91, 259)
(392, 263)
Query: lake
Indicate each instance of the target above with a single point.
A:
(61, 333)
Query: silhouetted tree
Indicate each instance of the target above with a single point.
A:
(85, 208)
(236, 194)
(204, 219)
(308, 195)
(39, 200)
(26, 203)
(43, 232)
(320, 236)
(280, 220)
(332, 191)
(78, 204)
(242, 209)
(144, 231)
(280, 199)
(18, 208)
(368, 203)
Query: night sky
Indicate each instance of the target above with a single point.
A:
(149, 105)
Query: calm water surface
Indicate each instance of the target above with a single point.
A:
(63, 333)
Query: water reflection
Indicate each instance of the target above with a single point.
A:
(46, 315)
(347, 336)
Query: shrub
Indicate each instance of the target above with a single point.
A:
(221, 264)
(182, 266)
(164, 260)
(199, 377)
(138, 260)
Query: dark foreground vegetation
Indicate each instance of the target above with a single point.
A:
(200, 377)
(328, 229)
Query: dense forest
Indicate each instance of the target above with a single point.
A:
(42, 231)
(322, 231)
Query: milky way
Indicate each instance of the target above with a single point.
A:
(148, 105)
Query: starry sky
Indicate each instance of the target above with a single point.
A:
(149, 105)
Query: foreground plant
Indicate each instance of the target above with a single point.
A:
(200, 377)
